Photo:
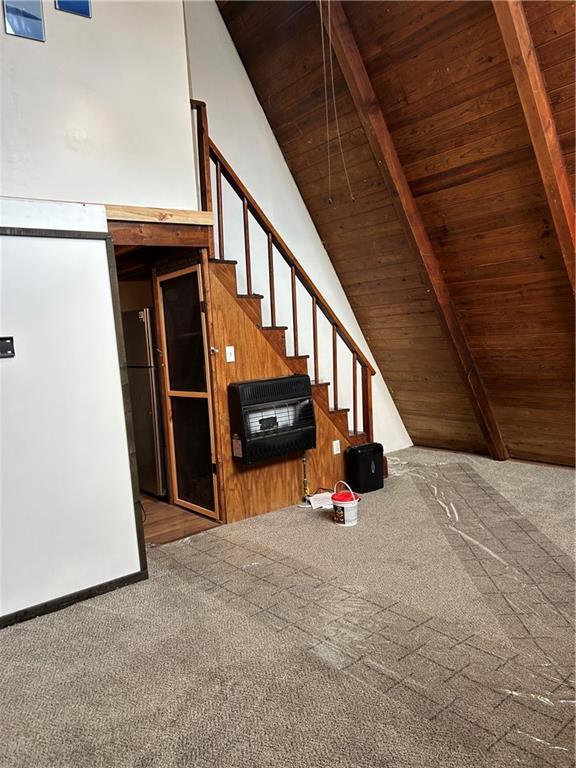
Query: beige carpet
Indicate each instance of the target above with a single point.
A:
(287, 641)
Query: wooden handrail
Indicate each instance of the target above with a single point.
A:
(224, 168)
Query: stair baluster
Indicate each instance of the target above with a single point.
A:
(271, 280)
(220, 210)
(315, 339)
(247, 247)
(294, 309)
(354, 393)
(335, 365)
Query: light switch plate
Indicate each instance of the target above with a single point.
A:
(230, 356)
(335, 447)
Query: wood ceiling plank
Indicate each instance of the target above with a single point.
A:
(532, 91)
(476, 49)
(483, 150)
(535, 9)
(383, 25)
(556, 51)
(476, 86)
(449, 24)
(457, 116)
(553, 25)
(353, 209)
(455, 177)
(439, 142)
(468, 273)
(361, 260)
(358, 81)
(559, 74)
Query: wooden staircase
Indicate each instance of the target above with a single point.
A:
(327, 394)
(225, 271)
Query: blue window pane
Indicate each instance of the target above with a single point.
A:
(79, 7)
(24, 18)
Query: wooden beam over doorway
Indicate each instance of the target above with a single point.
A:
(540, 120)
(380, 140)
(147, 233)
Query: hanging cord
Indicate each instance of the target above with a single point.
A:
(334, 105)
(326, 106)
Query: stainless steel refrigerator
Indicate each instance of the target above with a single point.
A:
(144, 394)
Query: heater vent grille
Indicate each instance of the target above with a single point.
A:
(271, 418)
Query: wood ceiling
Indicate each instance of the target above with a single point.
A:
(451, 260)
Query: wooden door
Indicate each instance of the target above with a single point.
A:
(186, 390)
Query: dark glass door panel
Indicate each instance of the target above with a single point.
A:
(183, 330)
(191, 426)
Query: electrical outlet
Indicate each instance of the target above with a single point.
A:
(230, 357)
(335, 447)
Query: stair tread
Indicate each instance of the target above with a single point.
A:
(223, 261)
(273, 327)
(298, 357)
(339, 410)
(249, 295)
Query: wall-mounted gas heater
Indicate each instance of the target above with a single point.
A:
(271, 418)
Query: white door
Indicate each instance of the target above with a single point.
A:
(67, 520)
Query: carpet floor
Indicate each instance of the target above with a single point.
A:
(438, 633)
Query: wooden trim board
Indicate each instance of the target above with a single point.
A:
(159, 215)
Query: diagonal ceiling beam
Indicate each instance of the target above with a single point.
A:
(540, 120)
(380, 140)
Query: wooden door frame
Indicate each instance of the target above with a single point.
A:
(168, 393)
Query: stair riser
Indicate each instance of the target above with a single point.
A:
(298, 365)
(252, 307)
(277, 339)
(340, 420)
(227, 276)
(320, 392)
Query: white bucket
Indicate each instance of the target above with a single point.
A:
(345, 506)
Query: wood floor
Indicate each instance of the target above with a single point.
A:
(165, 522)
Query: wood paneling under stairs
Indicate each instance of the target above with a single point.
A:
(444, 84)
(165, 522)
(257, 489)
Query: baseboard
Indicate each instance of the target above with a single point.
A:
(74, 597)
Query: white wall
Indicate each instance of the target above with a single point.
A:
(100, 111)
(240, 129)
(66, 510)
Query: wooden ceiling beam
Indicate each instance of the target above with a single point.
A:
(380, 140)
(540, 120)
